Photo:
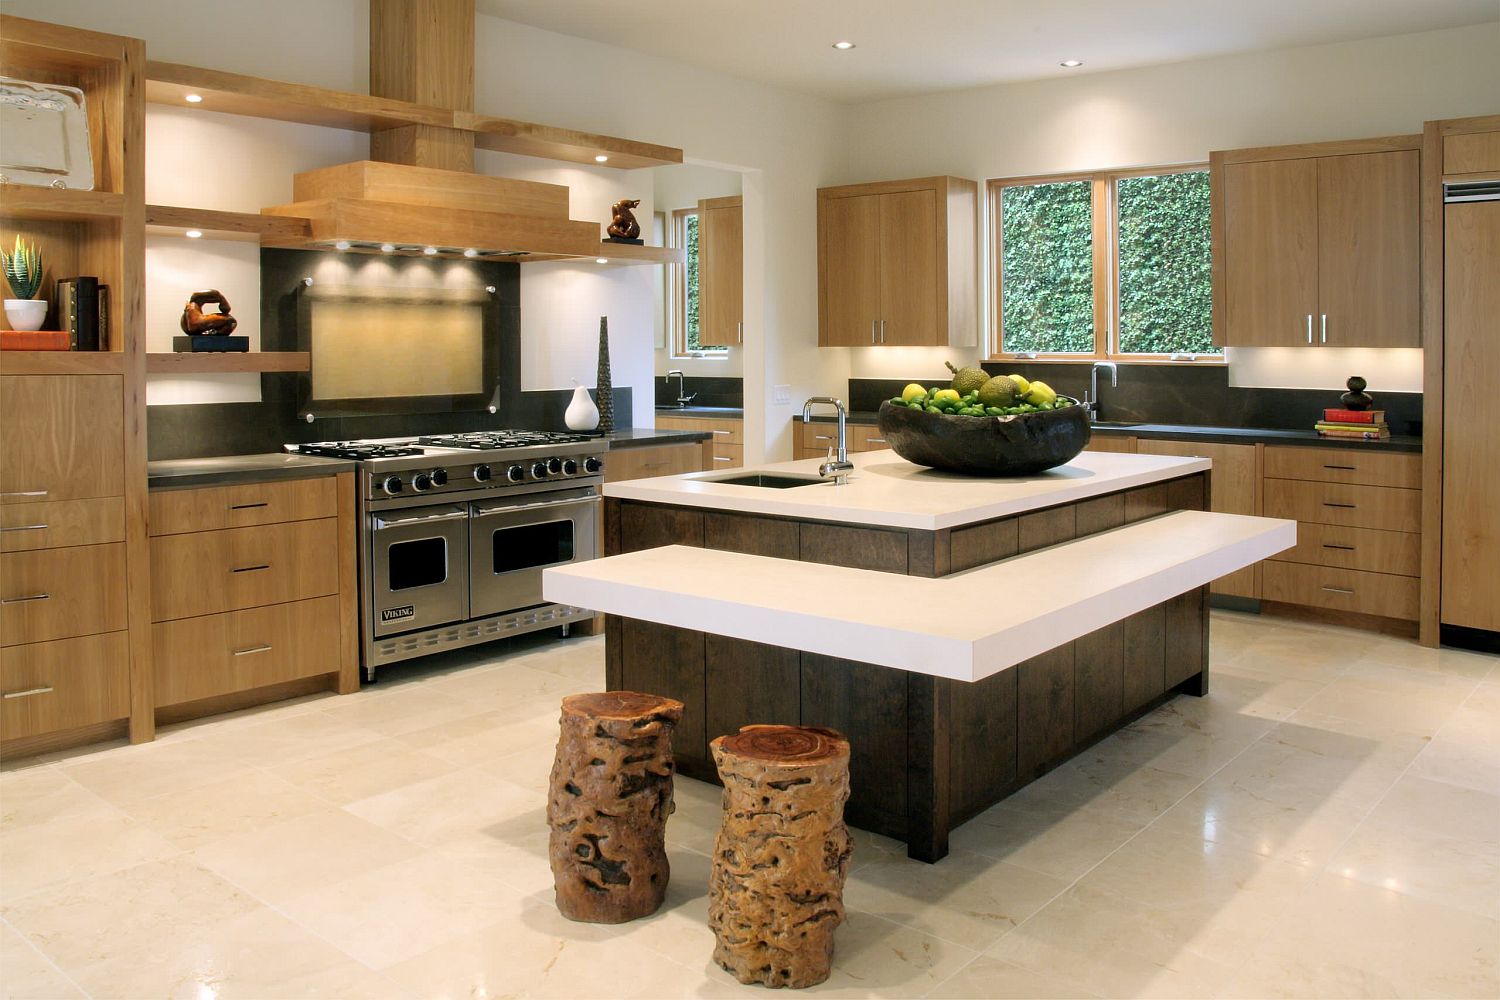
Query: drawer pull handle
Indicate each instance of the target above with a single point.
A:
(822, 437)
(27, 693)
(875, 440)
(23, 600)
(1345, 506)
(725, 458)
(725, 433)
(26, 527)
(1339, 590)
(1344, 548)
(250, 569)
(246, 506)
(253, 649)
(1344, 468)
(25, 493)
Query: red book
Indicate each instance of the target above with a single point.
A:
(1354, 416)
(33, 340)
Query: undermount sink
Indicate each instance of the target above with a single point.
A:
(766, 480)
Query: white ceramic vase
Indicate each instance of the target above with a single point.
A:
(582, 414)
(26, 314)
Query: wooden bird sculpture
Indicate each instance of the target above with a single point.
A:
(624, 226)
(196, 322)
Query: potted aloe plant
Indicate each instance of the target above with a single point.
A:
(23, 271)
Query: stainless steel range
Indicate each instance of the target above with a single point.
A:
(456, 530)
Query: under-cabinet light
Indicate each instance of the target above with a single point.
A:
(1071, 63)
(193, 234)
(601, 158)
(430, 251)
(601, 260)
(387, 248)
(193, 98)
(843, 46)
(341, 245)
(471, 253)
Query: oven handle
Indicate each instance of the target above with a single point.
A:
(457, 514)
(512, 508)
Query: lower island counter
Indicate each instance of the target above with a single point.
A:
(967, 635)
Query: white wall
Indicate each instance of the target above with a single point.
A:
(683, 186)
(1167, 114)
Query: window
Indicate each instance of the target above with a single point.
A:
(1108, 264)
(685, 341)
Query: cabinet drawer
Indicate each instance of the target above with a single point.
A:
(50, 686)
(819, 436)
(1112, 442)
(57, 593)
(865, 437)
(177, 511)
(1340, 589)
(1347, 506)
(1397, 552)
(63, 437)
(1345, 465)
(54, 524)
(211, 655)
(729, 456)
(648, 463)
(207, 572)
(724, 429)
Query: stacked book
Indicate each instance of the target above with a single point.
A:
(1360, 425)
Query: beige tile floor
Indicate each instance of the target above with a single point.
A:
(1325, 824)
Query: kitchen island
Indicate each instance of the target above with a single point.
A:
(794, 618)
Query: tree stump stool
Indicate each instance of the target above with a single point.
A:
(607, 806)
(776, 891)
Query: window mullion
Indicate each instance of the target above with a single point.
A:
(1101, 244)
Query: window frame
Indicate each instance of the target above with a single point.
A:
(1104, 216)
(677, 338)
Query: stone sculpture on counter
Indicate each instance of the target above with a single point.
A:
(623, 227)
(1356, 398)
(605, 386)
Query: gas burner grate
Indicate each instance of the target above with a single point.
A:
(493, 440)
(359, 451)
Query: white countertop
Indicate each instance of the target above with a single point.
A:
(966, 626)
(888, 491)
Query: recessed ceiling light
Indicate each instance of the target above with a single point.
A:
(341, 245)
(601, 260)
(843, 46)
(430, 251)
(601, 158)
(193, 98)
(1071, 63)
(387, 248)
(193, 234)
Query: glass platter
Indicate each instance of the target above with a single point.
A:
(46, 134)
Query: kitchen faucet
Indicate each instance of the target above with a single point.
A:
(840, 467)
(1091, 398)
(682, 398)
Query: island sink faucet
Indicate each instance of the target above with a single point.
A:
(1091, 398)
(683, 398)
(836, 468)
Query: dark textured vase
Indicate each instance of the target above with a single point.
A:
(606, 387)
(1020, 445)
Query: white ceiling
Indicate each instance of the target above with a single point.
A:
(918, 47)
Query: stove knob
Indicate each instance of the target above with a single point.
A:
(440, 477)
(539, 470)
(481, 473)
(421, 482)
(570, 467)
(392, 485)
(592, 465)
(515, 473)
(554, 465)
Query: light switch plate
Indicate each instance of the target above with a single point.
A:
(782, 394)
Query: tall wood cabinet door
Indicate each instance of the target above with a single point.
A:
(63, 437)
(1369, 261)
(1471, 444)
(849, 269)
(909, 265)
(1235, 485)
(1271, 253)
(721, 267)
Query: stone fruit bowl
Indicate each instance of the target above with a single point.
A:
(1019, 445)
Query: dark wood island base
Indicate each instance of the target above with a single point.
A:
(927, 753)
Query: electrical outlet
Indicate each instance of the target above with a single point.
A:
(782, 394)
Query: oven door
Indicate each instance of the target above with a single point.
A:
(419, 568)
(514, 540)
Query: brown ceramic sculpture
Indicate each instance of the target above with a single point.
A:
(196, 322)
(623, 225)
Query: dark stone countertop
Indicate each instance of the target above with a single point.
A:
(1221, 435)
(231, 469)
(721, 412)
(644, 437)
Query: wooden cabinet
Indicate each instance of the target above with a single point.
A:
(721, 272)
(1318, 245)
(1345, 465)
(58, 593)
(656, 460)
(207, 572)
(727, 447)
(813, 439)
(897, 264)
(48, 687)
(53, 524)
(242, 505)
(1334, 589)
(62, 437)
(1118, 443)
(1236, 490)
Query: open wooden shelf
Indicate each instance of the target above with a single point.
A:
(23, 201)
(624, 253)
(238, 94)
(222, 363)
(240, 227)
(62, 362)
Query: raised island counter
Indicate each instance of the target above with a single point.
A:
(1007, 658)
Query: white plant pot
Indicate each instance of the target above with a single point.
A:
(26, 314)
(582, 414)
